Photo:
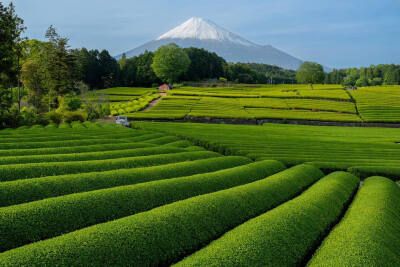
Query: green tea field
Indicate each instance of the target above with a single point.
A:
(97, 194)
(329, 103)
(365, 151)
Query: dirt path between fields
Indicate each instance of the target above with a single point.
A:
(155, 102)
(109, 119)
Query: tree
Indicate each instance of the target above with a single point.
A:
(170, 62)
(96, 69)
(310, 72)
(32, 77)
(11, 27)
(203, 65)
(362, 81)
(352, 76)
(144, 72)
(109, 70)
(58, 64)
(391, 76)
(241, 73)
(122, 61)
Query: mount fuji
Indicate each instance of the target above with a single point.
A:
(201, 33)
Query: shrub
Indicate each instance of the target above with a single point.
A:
(367, 235)
(54, 117)
(177, 229)
(70, 116)
(64, 125)
(69, 102)
(32, 170)
(264, 240)
(28, 116)
(72, 212)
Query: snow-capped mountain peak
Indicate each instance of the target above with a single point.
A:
(198, 28)
(202, 33)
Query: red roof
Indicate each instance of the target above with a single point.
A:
(164, 87)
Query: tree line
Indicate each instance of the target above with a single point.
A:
(383, 74)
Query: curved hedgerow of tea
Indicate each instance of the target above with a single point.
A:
(22, 223)
(285, 235)
(26, 190)
(177, 229)
(368, 235)
(32, 170)
(113, 154)
(73, 149)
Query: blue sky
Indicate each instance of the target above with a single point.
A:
(337, 33)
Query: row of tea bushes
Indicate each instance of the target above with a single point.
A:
(178, 228)
(27, 223)
(132, 106)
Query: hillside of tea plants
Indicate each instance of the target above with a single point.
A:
(331, 103)
(99, 194)
(362, 150)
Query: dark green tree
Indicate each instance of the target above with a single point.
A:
(145, 75)
(391, 76)
(310, 72)
(96, 69)
(203, 65)
(11, 27)
(352, 76)
(58, 64)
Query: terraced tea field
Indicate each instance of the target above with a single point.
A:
(103, 195)
(379, 103)
(122, 94)
(329, 103)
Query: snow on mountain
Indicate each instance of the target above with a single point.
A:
(198, 28)
(201, 33)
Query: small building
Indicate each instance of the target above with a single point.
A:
(164, 87)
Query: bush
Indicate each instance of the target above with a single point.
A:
(31, 170)
(283, 236)
(27, 116)
(177, 229)
(367, 234)
(70, 116)
(72, 212)
(69, 102)
(54, 117)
